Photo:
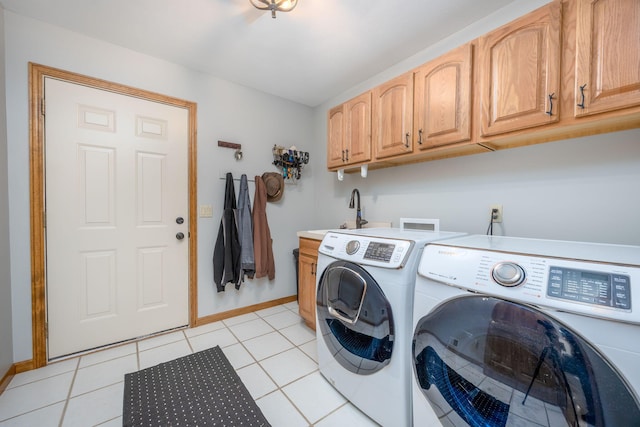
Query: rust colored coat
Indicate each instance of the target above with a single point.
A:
(262, 243)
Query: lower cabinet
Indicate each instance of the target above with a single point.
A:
(307, 270)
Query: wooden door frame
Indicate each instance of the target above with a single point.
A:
(37, 74)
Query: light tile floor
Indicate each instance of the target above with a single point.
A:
(272, 351)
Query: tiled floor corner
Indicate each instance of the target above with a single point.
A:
(272, 351)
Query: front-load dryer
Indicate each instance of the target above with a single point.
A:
(525, 332)
(364, 305)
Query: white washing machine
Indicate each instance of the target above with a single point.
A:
(525, 332)
(364, 305)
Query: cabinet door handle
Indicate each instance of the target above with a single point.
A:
(347, 154)
(420, 136)
(550, 112)
(581, 105)
(343, 155)
(406, 139)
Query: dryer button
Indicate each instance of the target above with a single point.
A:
(352, 247)
(508, 274)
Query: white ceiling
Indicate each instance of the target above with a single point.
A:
(309, 55)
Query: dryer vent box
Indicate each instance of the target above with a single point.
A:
(420, 224)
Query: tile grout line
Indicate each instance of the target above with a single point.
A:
(4, 420)
(188, 342)
(137, 356)
(292, 402)
(281, 388)
(278, 387)
(66, 402)
(38, 380)
(346, 403)
(257, 363)
(311, 373)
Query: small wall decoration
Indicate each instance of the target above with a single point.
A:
(290, 161)
(238, 147)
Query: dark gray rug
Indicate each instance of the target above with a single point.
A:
(201, 389)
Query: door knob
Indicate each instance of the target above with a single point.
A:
(180, 236)
(179, 220)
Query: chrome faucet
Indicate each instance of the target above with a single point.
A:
(359, 220)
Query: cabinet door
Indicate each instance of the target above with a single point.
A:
(335, 135)
(392, 116)
(520, 73)
(307, 266)
(357, 119)
(607, 55)
(442, 100)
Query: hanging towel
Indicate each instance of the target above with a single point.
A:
(262, 243)
(245, 233)
(226, 254)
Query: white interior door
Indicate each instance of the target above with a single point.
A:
(116, 171)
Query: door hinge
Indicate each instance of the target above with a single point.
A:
(43, 108)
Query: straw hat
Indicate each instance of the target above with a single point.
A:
(274, 182)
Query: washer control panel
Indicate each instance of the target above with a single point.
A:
(375, 251)
(592, 288)
(380, 251)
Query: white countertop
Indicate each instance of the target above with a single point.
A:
(312, 234)
(319, 234)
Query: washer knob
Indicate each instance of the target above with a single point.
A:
(352, 247)
(508, 274)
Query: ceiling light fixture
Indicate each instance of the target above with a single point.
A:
(275, 5)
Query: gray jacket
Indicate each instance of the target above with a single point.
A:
(245, 232)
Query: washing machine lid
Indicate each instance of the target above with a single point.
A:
(579, 251)
(379, 247)
(417, 236)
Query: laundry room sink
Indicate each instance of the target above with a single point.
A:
(351, 225)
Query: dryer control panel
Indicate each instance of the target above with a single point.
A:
(374, 251)
(596, 289)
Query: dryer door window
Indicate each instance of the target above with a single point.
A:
(483, 361)
(355, 318)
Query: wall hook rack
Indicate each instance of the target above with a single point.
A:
(290, 161)
(237, 147)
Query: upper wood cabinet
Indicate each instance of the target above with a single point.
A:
(349, 130)
(520, 72)
(607, 55)
(568, 69)
(392, 117)
(357, 121)
(335, 135)
(443, 99)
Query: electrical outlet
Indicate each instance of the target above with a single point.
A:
(496, 212)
